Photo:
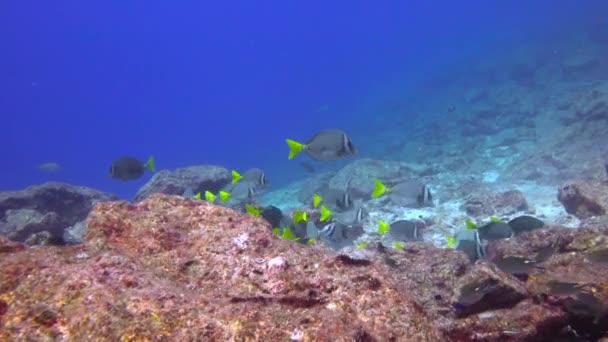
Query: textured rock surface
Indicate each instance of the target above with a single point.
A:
(584, 199)
(50, 207)
(199, 178)
(180, 269)
(171, 267)
(485, 203)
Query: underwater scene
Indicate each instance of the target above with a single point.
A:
(304, 171)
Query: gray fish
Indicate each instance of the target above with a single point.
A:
(469, 243)
(599, 256)
(560, 288)
(241, 191)
(255, 176)
(49, 167)
(473, 293)
(525, 223)
(411, 193)
(515, 265)
(127, 168)
(338, 200)
(495, 231)
(404, 230)
(586, 305)
(356, 216)
(339, 235)
(332, 144)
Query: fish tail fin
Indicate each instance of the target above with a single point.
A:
(209, 196)
(224, 196)
(294, 148)
(379, 189)
(150, 164)
(236, 177)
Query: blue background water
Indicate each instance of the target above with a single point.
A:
(226, 82)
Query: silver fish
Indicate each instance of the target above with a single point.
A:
(330, 144)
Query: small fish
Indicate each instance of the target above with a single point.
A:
(127, 168)
(299, 216)
(251, 210)
(338, 200)
(469, 243)
(405, 230)
(272, 215)
(326, 145)
(599, 256)
(495, 231)
(560, 288)
(325, 213)
(409, 193)
(473, 293)
(242, 191)
(255, 176)
(525, 223)
(316, 200)
(515, 265)
(310, 242)
(383, 227)
(49, 167)
(339, 235)
(586, 305)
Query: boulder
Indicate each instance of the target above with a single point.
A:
(180, 269)
(486, 203)
(584, 199)
(198, 178)
(50, 207)
(175, 268)
(363, 172)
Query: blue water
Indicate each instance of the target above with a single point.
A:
(199, 82)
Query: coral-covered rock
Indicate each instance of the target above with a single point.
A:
(360, 175)
(50, 207)
(180, 269)
(198, 178)
(584, 199)
(176, 268)
(486, 203)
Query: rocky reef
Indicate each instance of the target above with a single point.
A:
(170, 268)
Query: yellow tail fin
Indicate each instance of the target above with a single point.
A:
(294, 148)
(236, 177)
(150, 164)
(209, 196)
(224, 196)
(379, 189)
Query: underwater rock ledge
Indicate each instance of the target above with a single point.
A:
(181, 269)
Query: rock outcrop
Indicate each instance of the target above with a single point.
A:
(45, 213)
